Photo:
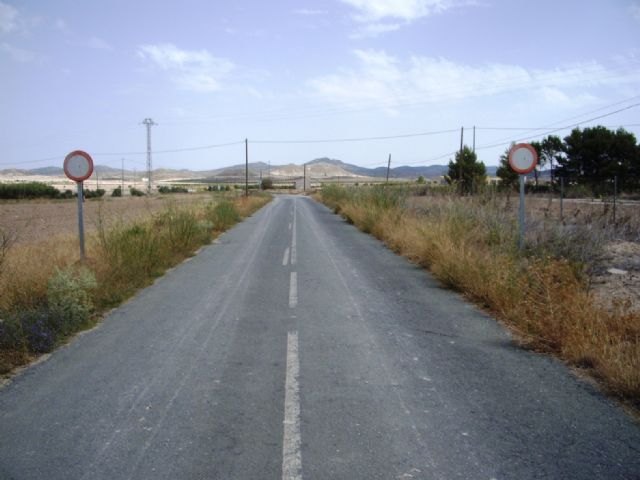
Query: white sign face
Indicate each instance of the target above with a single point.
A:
(78, 166)
(523, 158)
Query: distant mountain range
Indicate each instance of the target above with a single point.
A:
(318, 168)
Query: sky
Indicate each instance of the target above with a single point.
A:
(298, 79)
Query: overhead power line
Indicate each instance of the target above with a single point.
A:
(358, 139)
(546, 131)
(119, 154)
(549, 132)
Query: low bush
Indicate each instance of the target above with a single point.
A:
(223, 215)
(134, 192)
(28, 190)
(172, 189)
(98, 193)
(69, 303)
(117, 192)
(37, 332)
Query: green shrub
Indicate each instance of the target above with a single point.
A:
(37, 331)
(27, 190)
(223, 215)
(11, 336)
(117, 192)
(135, 192)
(181, 229)
(133, 253)
(69, 299)
(94, 193)
(172, 189)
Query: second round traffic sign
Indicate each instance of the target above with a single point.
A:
(523, 158)
(78, 166)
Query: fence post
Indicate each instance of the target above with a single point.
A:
(615, 197)
(561, 198)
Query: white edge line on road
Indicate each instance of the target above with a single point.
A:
(293, 290)
(291, 443)
(285, 259)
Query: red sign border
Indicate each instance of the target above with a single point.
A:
(82, 154)
(531, 149)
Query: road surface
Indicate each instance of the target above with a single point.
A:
(299, 348)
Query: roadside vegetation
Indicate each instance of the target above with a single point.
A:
(542, 293)
(18, 191)
(30, 190)
(47, 295)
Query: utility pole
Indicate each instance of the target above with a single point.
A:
(474, 139)
(460, 159)
(304, 181)
(149, 123)
(122, 178)
(246, 167)
(388, 167)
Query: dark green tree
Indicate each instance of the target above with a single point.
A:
(536, 171)
(466, 171)
(595, 155)
(552, 153)
(549, 149)
(508, 178)
(266, 183)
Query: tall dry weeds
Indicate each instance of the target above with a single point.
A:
(469, 244)
(122, 256)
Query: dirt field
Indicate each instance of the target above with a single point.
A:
(35, 220)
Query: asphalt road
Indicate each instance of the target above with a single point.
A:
(300, 348)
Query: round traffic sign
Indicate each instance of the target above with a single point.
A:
(523, 158)
(78, 166)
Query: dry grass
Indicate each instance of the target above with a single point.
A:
(469, 244)
(121, 256)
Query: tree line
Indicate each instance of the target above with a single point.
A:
(591, 157)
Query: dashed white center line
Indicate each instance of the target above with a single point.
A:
(293, 290)
(291, 443)
(285, 259)
(294, 240)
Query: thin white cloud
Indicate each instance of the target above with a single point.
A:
(375, 17)
(17, 54)
(375, 29)
(194, 70)
(634, 9)
(385, 80)
(99, 44)
(8, 18)
(309, 12)
(407, 10)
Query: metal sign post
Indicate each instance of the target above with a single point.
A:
(521, 223)
(81, 218)
(523, 158)
(78, 166)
